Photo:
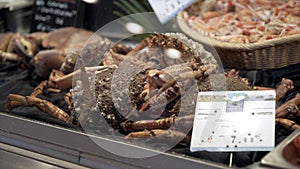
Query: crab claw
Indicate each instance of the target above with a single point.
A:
(21, 49)
(26, 47)
(45, 61)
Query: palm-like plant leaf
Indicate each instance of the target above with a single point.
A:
(128, 7)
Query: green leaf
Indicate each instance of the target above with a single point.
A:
(138, 6)
(121, 6)
(129, 6)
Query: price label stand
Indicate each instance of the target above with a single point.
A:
(234, 121)
(167, 9)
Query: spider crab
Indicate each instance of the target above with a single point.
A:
(42, 52)
(16, 47)
(147, 92)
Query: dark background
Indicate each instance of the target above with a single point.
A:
(19, 17)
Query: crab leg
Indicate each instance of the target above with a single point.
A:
(162, 41)
(9, 56)
(39, 89)
(232, 73)
(146, 133)
(262, 88)
(138, 47)
(283, 88)
(184, 122)
(174, 136)
(171, 91)
(287, 123)
(290, 107)
(236, 75)
(14, 100)
(113, 58)
(67, 98)
(170, 94)
(201, 73)
(58, 81)
(166, 135)
(164, 123)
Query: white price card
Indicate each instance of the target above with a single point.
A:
(234, 121)
(167, 9)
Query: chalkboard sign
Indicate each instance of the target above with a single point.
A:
(52, 14)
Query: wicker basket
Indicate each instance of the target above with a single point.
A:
(269, 54)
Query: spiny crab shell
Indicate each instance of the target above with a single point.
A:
(123, 91)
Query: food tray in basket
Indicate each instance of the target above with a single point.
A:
(269, 54)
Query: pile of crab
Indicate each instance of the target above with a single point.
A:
(237, 21)
(147, 91)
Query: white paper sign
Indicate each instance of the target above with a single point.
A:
(234, 121)
(167, 9)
